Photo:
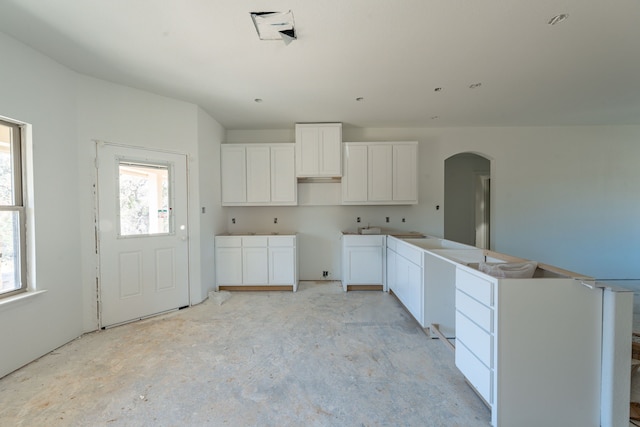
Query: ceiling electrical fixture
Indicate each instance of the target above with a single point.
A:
(274, 26)
(438, 89)
(359, 99)
(558, 19)
(258, 100)
(475, 85)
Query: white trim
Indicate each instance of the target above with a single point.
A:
(9, 302)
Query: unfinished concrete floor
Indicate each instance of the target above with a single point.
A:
(318, 357)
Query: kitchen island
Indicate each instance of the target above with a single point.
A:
(543, 350)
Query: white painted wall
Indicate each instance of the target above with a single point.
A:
(121, 115)
(68, 112)
(566, 196)
(36, 90)
(213, 220)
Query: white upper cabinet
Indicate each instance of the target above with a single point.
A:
(258, 174)
(233, 169)
(318, 150)
(283, 181)
(355, 179)
(380, 173)
(405, 173)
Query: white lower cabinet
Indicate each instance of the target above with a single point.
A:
(256, 261)
(363, 260)
(405, 275)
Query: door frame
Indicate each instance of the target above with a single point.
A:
(96, 221)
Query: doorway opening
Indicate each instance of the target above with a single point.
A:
(467, 189)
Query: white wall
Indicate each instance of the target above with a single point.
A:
(213, 220)
(67, 113)
(121, 115)
(560, 195)
(38, 91)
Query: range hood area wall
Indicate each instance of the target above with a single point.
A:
(560, 195)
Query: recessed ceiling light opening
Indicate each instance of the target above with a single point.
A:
(359, 99)
(438, 89)
(475, 85)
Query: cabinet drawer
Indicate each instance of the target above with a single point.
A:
(474, 286)
(480, 314)
(478, 375)
(371, 240)
(228, 241)
(282, 241)
(478, 341)
(255, 241)
(409, 252)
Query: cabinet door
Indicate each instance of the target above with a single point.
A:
(233, 174)
(405, 178)
(281, 266)
(228, 266)
(258, 174)
(408, 286)
(319, 150)
(391, 269)
(307, 143)
(255, 267)
(330, 150)
(354, 181)
(380, 177)
(364, 265)
(283, 175)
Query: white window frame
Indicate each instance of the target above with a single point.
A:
(18, 155)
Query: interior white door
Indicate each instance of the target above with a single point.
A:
(142, 232)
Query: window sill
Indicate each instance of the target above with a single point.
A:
(13, 301)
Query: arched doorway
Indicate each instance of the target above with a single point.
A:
(467, 186)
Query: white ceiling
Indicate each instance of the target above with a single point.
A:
(584, 70)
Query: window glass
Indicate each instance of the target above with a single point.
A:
(6, 165)
(144, 199)
(10, 251)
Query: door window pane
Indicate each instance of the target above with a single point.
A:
(144, 199)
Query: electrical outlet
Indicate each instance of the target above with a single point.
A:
(325, 274)
(275, 220)
(358, 219)
(387, 219)
(404, 220)
(233, 220)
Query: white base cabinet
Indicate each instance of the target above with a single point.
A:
(256, 261)
(363, 260)
(405, 275)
